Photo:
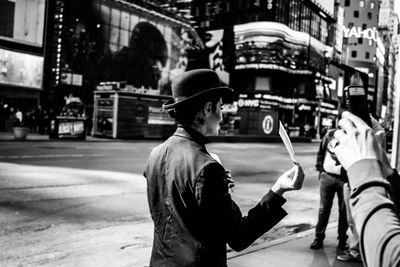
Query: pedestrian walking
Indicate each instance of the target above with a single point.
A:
(188, 189)
(331, 180)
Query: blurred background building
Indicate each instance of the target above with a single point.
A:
(389, 31)
(111, 62)
(22, 46)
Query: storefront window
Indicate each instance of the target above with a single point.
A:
(22, 20)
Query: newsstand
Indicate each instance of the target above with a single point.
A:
(64, 127)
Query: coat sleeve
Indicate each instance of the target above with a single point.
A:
(375, 218)
(223, 218)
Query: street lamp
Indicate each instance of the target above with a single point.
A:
(327, 57)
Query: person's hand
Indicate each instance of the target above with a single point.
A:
(356, 141)
(380, 136)
(289, 180)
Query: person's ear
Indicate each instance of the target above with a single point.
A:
(207, 110)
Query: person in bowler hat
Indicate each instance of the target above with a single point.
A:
(193, 213)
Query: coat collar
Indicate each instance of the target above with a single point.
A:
(192, 134)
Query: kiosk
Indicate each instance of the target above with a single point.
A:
(127, 115)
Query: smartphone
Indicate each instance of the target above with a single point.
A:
(355, 101)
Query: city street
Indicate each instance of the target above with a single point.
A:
(84, 203)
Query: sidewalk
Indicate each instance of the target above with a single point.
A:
(292, 251)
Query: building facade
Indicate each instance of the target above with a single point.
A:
(134, 46)
(389, 32)
(279, 63)
(360, 43)
(22, 45)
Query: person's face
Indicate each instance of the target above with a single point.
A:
(214, 118)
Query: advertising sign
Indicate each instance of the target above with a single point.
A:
(104, 118)
(268, 124)
(219, 48)
(358, 32)
(121, 41)
(71, 128)
(270, 45)
(23, 21)
(159, 116)
(21, 69)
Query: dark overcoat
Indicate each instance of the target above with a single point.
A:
(193, 213)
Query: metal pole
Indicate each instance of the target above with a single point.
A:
(395, 143)
(318, 136)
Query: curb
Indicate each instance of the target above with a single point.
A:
(276, 242)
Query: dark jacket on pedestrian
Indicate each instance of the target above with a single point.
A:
(321, 156)
(193, 213)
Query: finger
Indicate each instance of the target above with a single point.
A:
(358, 122)
(299, 177)
(291, 171)
(375, 124)
(339, 135)
(380, 137)
(347, 125)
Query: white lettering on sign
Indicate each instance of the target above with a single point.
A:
(358, 32)
(356, 91)
(268, 124)
(254, 103)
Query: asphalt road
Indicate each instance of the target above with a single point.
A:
(84, 203)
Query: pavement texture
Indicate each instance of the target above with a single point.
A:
(292, 251)
(62, 222)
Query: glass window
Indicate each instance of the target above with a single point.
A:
(115, 17)
(305, 19)
(360, 40)
(367, 55)
(369, 15)
(125, 20)
(353, 53)
(294, 14)
(356, 14)
(351, 24)
(364, 26)
(281, 12)
(347, 2)
(372, 5)
(362, 3)
(23, 20)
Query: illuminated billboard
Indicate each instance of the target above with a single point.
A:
(274, 46)
(218, 45)
(22, 21)
(20, 69)
(109, 41)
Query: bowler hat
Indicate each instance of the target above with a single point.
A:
(192, 85)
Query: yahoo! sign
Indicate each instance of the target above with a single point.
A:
(358, 32)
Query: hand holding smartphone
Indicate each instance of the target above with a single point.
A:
(355, 100)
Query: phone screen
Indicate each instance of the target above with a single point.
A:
(356, 102)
